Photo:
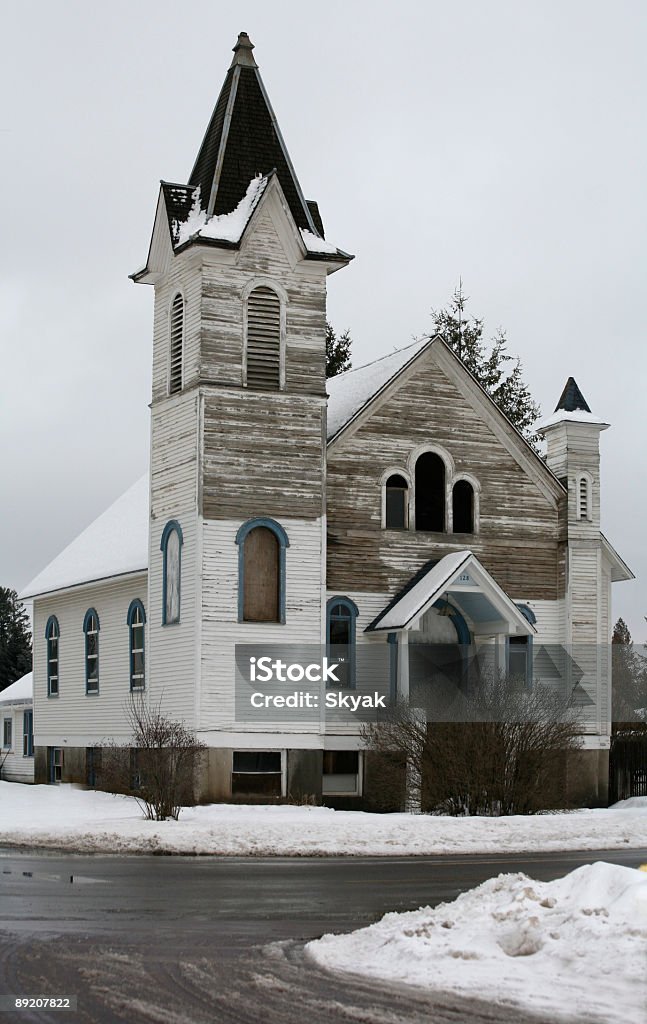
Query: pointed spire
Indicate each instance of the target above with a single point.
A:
(572, 399)
(244, 140)
(243, 52)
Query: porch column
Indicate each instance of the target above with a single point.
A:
(403, 664)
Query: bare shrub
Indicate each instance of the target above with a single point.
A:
(506, 756)
(158, 767)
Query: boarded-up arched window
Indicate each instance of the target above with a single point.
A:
(463, 507)
(263, 368)
(261, 576)
(177, 345)
(430, 492)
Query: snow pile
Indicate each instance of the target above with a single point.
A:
(22, 689)
(64, 817)
(115, 543)
(575, 947)
(350, 391)
(314, 243)
(226, 227)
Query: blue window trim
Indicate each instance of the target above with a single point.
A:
(282, 537)
(460, 625)
(354, 612)
(28, 733)
(136, 604)
(86, 623)
(530, 616)
(171, 526)
(52, 623)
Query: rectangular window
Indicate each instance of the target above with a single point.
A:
(28, 734)
(256, 773)
(55, 764)
(340, 773)
(52, 666)
(6, 733)
(519, 659)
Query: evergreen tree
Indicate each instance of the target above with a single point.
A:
(498, 372)
(629, 677)
(337, 351)
(15, 638)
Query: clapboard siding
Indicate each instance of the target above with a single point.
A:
(221, 630)
(263, 455)
(74, 718)
(519, 537)
(174, 663)
(15, 767)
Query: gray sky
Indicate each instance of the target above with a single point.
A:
(501, 142)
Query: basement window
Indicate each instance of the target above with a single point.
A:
(256, 773)
(340, 773)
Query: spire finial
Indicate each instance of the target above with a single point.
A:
(243, 52)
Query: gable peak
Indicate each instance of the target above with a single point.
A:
(572, 399)
(243, 52)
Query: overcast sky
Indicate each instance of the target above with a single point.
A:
(503, 142)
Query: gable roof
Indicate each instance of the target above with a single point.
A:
(115, 544)
(351, 390)
(20, 692)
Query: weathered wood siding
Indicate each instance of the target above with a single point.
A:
(74, 718)
(519, 536)
(15, 767)
(221, 630)
(174, 663)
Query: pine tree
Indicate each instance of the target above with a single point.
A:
(15, 638)
(498, 372)
(337, 351)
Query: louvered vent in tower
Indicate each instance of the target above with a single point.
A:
(177, 338)
(264, 340)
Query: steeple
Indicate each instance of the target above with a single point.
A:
(243, 139)
(572, 399)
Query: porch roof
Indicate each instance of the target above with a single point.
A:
(464, 583)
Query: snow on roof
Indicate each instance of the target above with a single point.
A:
(576, 416)
(226, 227)
(21, 690)
(430, 586)
(314, 243)
(114, 544)
(350, 391)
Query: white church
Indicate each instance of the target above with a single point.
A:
(391, 506)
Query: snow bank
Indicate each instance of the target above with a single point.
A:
(64, 817)
(575, 947)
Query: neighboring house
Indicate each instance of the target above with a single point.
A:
(390, 506)
(17, 716)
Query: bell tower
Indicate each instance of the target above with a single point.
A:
(239, 263)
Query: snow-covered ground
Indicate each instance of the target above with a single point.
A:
(64, 817)
(575, 948)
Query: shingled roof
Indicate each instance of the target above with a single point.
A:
(244, 140)
(572, 398)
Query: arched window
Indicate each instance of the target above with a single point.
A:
(171, 547)
(261, 571)
(396, 503)
(136, 620)
(430, 492)
(463, 507)
(52, 636)
(91, 630)
(584, 497)
(263, 339)
(340, 637)
(176, 348)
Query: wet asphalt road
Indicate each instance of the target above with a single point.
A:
(220, 941)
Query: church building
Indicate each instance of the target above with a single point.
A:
(389, 507)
